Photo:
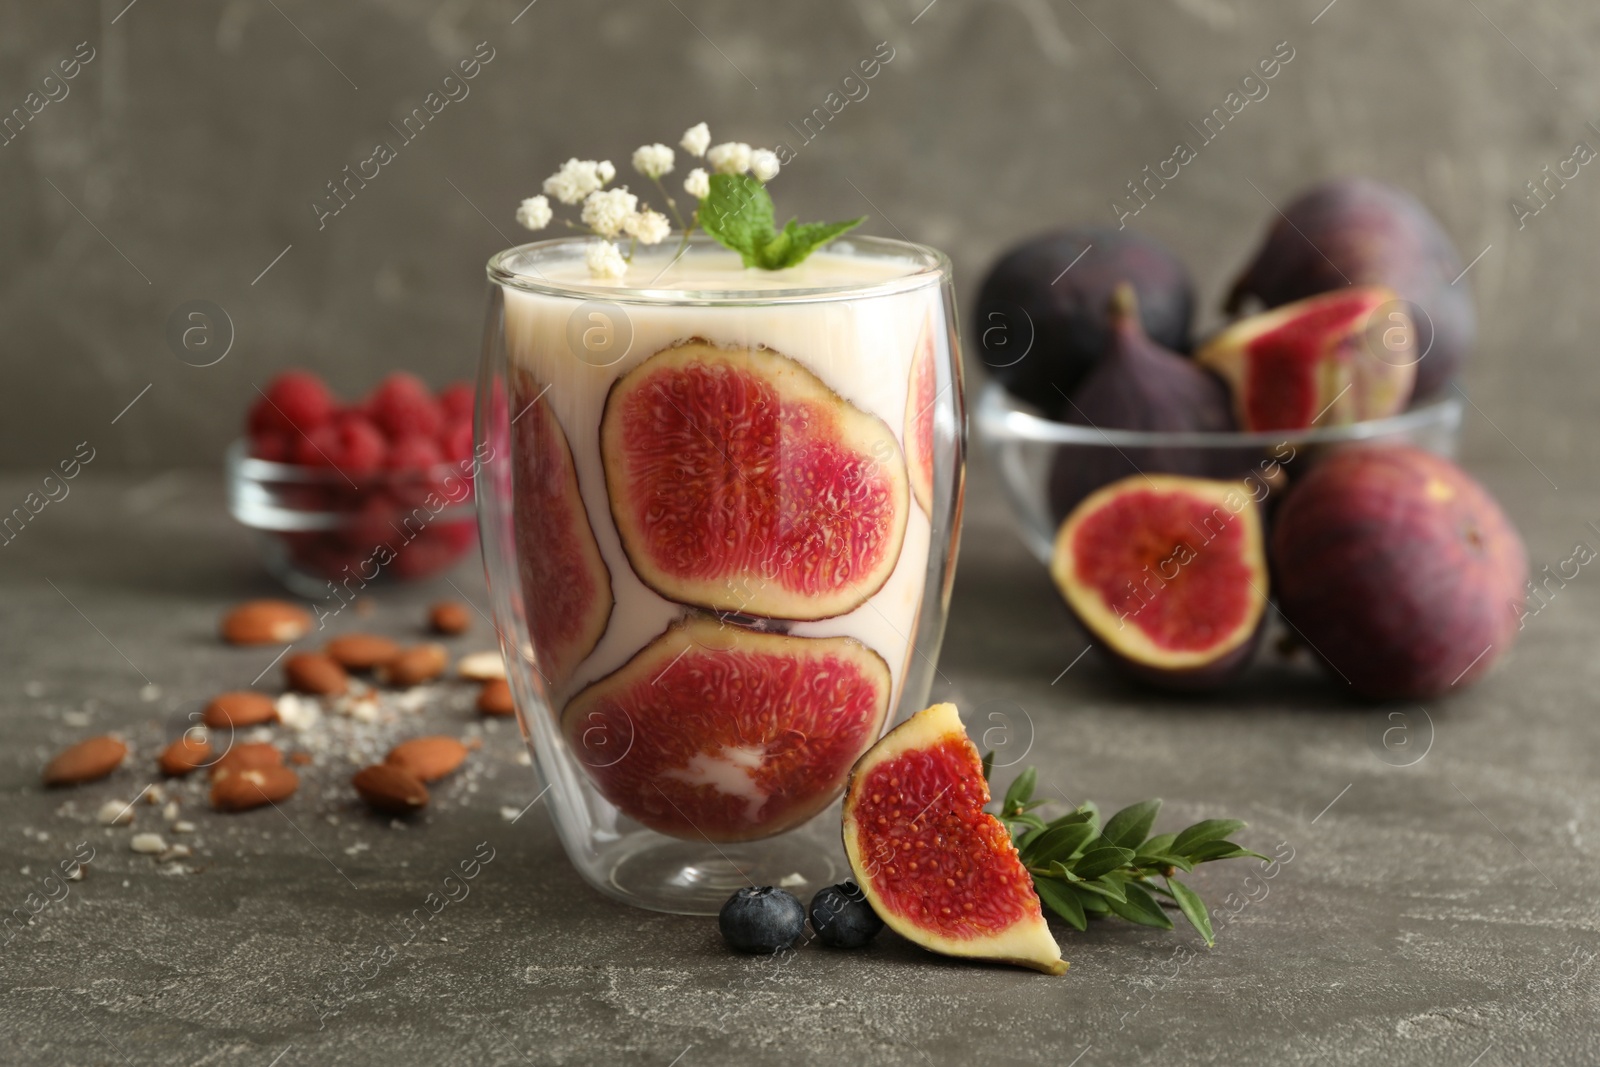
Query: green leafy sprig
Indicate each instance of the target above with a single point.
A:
(738, 212)
(1083, 868)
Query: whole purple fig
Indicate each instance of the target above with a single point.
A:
(1042, 323)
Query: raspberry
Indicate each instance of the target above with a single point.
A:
(456, 401)
(402, 407)
(295, 400)
(413, 454)
(350, 444)
(273, 447)
(456, 441)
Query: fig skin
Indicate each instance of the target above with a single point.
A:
(1139, 385)
(1399, 570)
(1359, 231)
(1041, 331)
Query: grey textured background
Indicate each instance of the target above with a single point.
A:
(197, 139)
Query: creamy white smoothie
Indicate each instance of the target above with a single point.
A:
(807, 334)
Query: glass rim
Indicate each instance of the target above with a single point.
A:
(1001, 417)
(930, 266)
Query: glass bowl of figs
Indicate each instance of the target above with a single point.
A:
(1345, 329)
(1297, 457)
(343, 496)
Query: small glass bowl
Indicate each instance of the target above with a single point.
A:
(317, 527)
(1046, 466)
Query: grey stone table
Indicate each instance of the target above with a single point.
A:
(1445, 912)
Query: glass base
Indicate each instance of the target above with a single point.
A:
(663, 874)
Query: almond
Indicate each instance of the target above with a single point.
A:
(253, 787)
(495, 698)
(415, 665)
(361, 652)
(481, 667)
(315, 672)
(390, 789)
(247, 757)
(300, 759)
(449, 617)
(239, 708)
(428, 758)
(265, 622)
(183, 756)
(86, 761)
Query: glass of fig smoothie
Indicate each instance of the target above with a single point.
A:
(719, 511)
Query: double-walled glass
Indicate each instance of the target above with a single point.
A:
(719, 511)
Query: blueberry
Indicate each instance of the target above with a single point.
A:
(761, 920)
(842, 917)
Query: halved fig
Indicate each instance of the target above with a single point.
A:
(936, 867)
(566, 586)
(1327, 360)
(1168, 574)
(740, 482)
(919, 418)
(726, 733)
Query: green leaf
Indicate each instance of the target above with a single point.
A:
(1222, 850)
(1129, 827)
(1021, 791)
(1104, 887)
(1202, 832)
(799, 239)
(1102, 860)
(1093, 903)
(1063, 901)
(1194, 909)
(1074, 818)
(988, 764)
(1161, 843)
(1141, 908)
(738, 212)
(1167, 859)
(1061, 843)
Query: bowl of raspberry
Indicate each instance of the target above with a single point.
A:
(345, 495)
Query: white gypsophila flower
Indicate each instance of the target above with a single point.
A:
(698, 183)
(764, 164)
(653, 160)
(650, 227)
(607, 210)
(605, 260)
(695, 139)
(730, 157)
(577, 178)
(534, 213)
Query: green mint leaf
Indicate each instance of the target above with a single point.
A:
(1103, 860)
(738, 213)
(1140, 907)
(988, 764)
(1059, 843)
(1194, 909)
(1063, 901)
(1021, 791)
(1202, 832)
(1129, 827)
(1221, 850)
(798, 240)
